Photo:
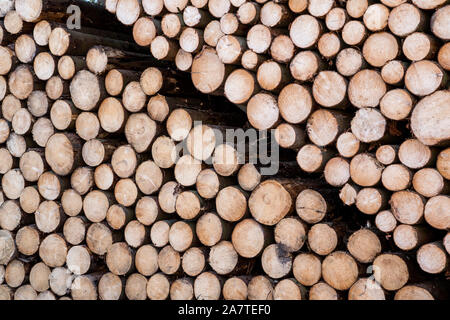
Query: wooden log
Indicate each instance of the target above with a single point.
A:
(366, 289)
(307, 269)
(393, 72)
(408, 237)
(158, 287)
(53, 250)
(444, 56)
(13, 22)
(231, 204)
(182, 235)
(235, 288)
(396, 104)
(212, 33)
(385, 221)
(371, 200)
(226, 160)
(189, 205)
(183, 60)
(223, 258)
(358, 93)
(365, 170)
(425, 122)
(60, 281)
(85, 90)
(193, 261)
(74, 230)
(396, 177)
(322, 239)
(305, 31)
(169, 260)
(419, 46)
(415, 155)
(248, 177)
(380, 48)
(354, 32)
(339, 270)
(322, 291)
(364, 245)
(424, 77)
(182, 289)
(336, 18)
(428, 182)
(439, 23)
(260, 288)
(250, 229)
(71, 202)
(312, 158)
(407, 207)
(262, 111)
(159, 233)
(376, 17)
(432, 258)
(187, 170)
(110, 287)
(436, 212)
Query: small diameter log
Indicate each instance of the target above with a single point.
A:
(74, 230)
(231, 204)
(376, 17)
(68, 66)
(183, 60)
(324, 126)
(427, 119)
(99, 238)
(366, 289)
(167, 196)
(310, 206)
(44, 66)
(393, 72)
(240, 86)
(415, 155)
(182, 235)
(385, 221)
(119, 258)
(82, 180)
(364, 245)
(104, 176)
(135, 234)
(63, 115)
(365, 170)
(337, 171)
(311, 158)
(110, 287)
(305, 31)
(436, 212)
(366, 88)
(305, 65)
(60, 281)
(250, 238)
(265, 205)
(249, 177)
(159, 233)
(193, 261)
(158, 287)
(71, 202)
(147, 210)
(439, 23)
(336, 19)
(212, 33)
(290, 234)
(20, 82)
(396, 104)
(322, 239)
(432, 258)
(49, 217)
(443, 163)
(307, 269)
(424, 77)
(322, 291)
(187, 170)
(380, 48)
(339, 270)
(169, 260)
(163, 48)
(189, 205)
(235, 288)
(407, 207)
(117, 79)
(146, 260)
(428, 182)
(126, 192)
(408, 237)
(226, 160)
(85, 90)
(56, 88)
(262, 111)
(201, 142)
(371, 200)
(208, 71)
(210, 229)
(419, 46)
(260, 288)
(208, 184)
(182, 289)
(295, 103)
(396, 177)
(354, 33)
(444, 56)
(223, 258)
(30, 199)
(276, 262)
(329, 45)
(348, 145)
(144, 31)
(13, 22)
(53, 250)
(191, 40)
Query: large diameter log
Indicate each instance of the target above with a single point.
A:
(429, 118)
(437, 212)
(305, 31)
(424, 77)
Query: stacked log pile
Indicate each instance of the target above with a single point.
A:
(98, 203)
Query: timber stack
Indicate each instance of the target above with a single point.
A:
(115, 183)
